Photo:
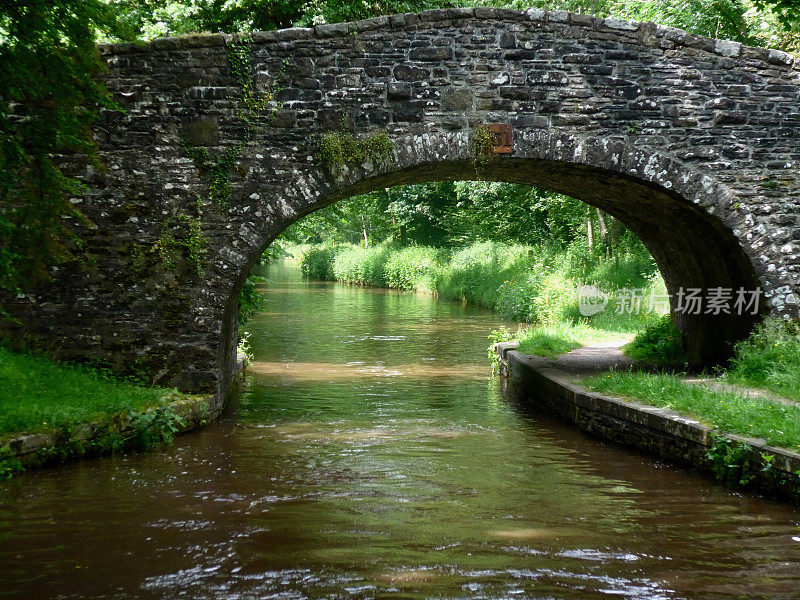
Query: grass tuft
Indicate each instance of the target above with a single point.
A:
(659, 343)
(769, 359)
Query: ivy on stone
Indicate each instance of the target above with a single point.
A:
(482, 144)
(215, 171)
(49, 98)
(254, 103)
(179, 243)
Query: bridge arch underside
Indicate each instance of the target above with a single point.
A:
(692, 247)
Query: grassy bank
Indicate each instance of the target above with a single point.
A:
(527, 284)
(39, 396)
(768, 360)
(777, 423)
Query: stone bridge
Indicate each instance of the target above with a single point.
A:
(224, 141)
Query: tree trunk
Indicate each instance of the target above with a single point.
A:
(614, 231)
(364, 230)
(601, 223)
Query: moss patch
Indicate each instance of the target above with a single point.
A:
(338, 149)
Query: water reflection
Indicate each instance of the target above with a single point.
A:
(373, 457)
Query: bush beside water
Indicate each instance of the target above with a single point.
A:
(532, 284)
(660, 342)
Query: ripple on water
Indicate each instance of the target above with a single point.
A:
(372, 456)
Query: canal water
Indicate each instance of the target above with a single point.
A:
(373, 456)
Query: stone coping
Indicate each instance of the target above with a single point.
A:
(658, 431)
(195, 410)
(646, 33)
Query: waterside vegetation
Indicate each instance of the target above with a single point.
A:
(65, 401)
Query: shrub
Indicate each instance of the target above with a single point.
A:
(476, 272)
(362, 266)
(250, 301)
(556, 300)
(317, 262)
(660, 342)
(770, 358)
(411, 268)
(515, 298)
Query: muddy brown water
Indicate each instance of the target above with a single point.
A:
(373, 456)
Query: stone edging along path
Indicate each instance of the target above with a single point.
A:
(657, 431)
(93, 439)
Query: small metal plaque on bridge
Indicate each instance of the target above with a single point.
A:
(501, 138)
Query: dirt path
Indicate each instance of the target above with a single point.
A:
(588, 360)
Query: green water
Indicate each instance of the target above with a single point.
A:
(373, 456)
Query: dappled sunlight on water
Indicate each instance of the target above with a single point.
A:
(372, 456)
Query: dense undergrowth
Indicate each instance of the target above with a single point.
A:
(528, 284)
(659, 343)
(769, 359)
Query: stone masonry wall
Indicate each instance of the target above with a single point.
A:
(692, 142)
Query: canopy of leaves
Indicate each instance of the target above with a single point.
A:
(773, 23)
(447, 214)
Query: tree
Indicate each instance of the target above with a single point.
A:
(787, 11)
(49, 98)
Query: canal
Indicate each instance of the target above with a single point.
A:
(372, 455)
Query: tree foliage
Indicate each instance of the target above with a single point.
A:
(49, 98)
(454, 214)
(773, 23)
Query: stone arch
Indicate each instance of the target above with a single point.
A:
(682, 216)
(695, 140)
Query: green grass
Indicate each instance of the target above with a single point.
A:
(37, 394)
(659, 343)
(777, 423)
(769, 359)
(548, 341)
(558, 338)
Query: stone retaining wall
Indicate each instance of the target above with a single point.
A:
(657, 431)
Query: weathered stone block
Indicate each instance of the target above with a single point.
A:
(507, 40)
(433, 53)
(202, 132)
(409, 73)
(457, 98)
(398, 91)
